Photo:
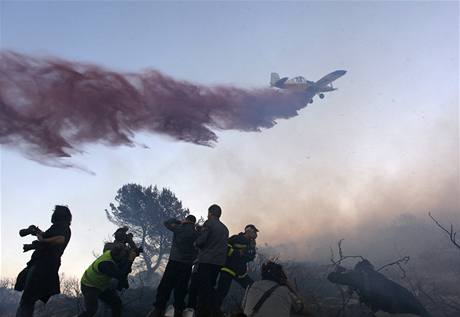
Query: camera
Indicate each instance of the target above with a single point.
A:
(32, 246)
(122, 236)
(32, 230)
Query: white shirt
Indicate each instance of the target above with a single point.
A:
(278, 304)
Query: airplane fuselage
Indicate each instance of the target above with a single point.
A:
(306, 86)
(301, 84)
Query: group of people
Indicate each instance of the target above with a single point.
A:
(202, 264)
(200, 258)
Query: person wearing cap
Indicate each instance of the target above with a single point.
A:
(101, 278)
(241, 250)
(120, 238)
(123, 239)
(179, 268)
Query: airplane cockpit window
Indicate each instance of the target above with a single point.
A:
(299, 79)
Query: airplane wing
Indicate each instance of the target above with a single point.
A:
(329, 78)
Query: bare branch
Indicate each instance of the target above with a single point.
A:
(398, 263)
(340, 248)
(342, 257)
(451, 233)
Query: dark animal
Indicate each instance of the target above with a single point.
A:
(376, 291)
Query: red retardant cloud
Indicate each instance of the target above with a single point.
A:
(49, 107)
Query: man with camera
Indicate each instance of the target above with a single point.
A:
(40, 279)
(102, 278)
(125, 240)
(179, 268)
(122, 237)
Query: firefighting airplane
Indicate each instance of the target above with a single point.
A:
(299, 83)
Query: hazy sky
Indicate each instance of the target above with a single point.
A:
(384, 144)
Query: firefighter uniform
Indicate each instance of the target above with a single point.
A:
(241, 250)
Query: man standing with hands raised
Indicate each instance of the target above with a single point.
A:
(179, 267)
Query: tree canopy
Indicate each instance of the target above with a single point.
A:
(143, 210)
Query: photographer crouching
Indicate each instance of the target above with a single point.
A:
(40, 279)
(125, 240)
(108, 274)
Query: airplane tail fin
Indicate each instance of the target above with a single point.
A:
(274, 77)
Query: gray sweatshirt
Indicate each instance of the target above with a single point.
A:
(212, 242)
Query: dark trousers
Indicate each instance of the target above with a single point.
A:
(207, 276)
(175, 277)
(225, 282)
(28, 299)
(193, 289)
(26, 308)
(91, 296)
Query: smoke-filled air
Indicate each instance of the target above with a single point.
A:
(229, 159)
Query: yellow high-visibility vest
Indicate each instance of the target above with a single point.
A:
(93, 277)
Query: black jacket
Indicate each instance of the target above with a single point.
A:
(42, 271)
(241, 250)
(182, 249)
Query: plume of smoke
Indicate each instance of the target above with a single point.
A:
(50, 107)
